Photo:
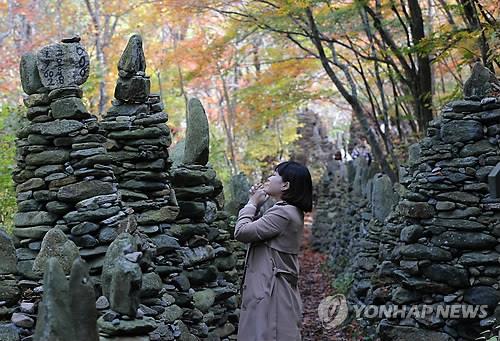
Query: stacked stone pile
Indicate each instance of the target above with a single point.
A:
(138, 141)
(206, 275)
(105, 192)
(439, 244)
(10, 292)
(63, 177)
(449, 249)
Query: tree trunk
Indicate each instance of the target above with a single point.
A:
(423, 86)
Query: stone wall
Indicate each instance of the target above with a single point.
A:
(439, 245)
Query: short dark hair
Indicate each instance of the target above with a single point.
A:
(299, 193)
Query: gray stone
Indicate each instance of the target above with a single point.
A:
(142, 133)
(461, 197)
(171, 313)
(177, 152)
(151, 285)
(31, 184)
(84, 228)
(482, 295)
(389, 332)
(91, 215)
(30, 79)
(124, 243)
(461, 131)
(197, 134)
(55, 305)
(35, 232)
(197, 255)
(164, 214)
(461, 106)
(478, 258)
(403, 296)
(132, 60)
(83, 309)
(84, 190)
(38, 159)
(125, 286)
(477, 148)
(411, 234)
(129, 328)
(69, 108)
(56, 127)
(165, 244)
(459, 224)
(419, 251)
(191, 209)
(382, 196)
(8, 264)
(479, 84)
(135, 89)
(34, 218)
(420, 210)
(465, 240)
(63, 64)
(449, 274)
(494, 181)
(56, 245)
(185, 177)
(8, 332)
(9, 291)
(204, 299)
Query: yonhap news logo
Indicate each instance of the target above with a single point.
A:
(334, 310)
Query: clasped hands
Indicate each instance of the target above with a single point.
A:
(257, 195)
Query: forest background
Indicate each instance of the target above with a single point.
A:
(371, 70)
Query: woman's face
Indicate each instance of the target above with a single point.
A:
(274, 186)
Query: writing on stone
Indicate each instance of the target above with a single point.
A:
(63, 64)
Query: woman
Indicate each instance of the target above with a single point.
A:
(271, 307)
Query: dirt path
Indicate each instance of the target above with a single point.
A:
(314, 286)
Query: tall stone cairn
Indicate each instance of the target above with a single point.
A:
(138, 141)
(63, 175)
(204, 281)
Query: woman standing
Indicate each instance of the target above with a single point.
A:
(271, 306)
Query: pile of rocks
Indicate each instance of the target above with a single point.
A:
(439, 245)
(138, 141)
(63, 177)
(449, 252)
(206, 278)
(10, 291)
(354, 226)
(104, 191)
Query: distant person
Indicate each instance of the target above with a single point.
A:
(338, 156)
(362, 150)
(271, 306)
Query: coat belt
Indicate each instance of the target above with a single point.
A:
(291, 277)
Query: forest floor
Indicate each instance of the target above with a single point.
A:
(315, 285)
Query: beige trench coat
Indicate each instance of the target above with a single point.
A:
(271, 306)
